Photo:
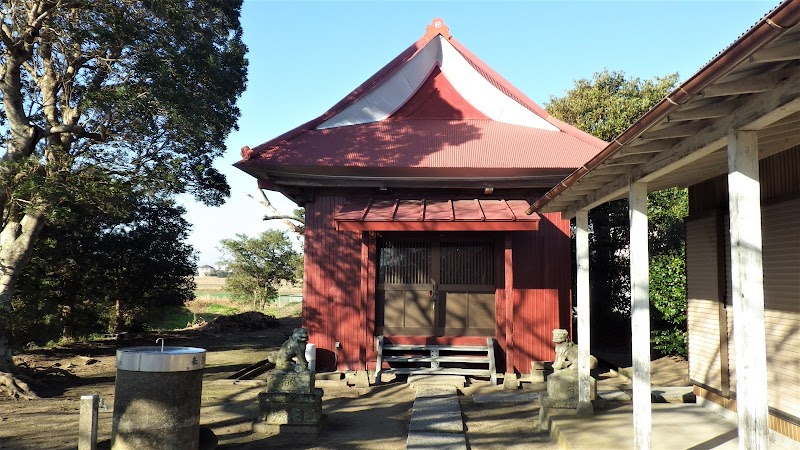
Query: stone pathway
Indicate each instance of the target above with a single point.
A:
(436, 421)
(436, 416)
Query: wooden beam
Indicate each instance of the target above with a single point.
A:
(793, 127)
(773, 147)
(609, 169)
(676, 131)
(784, 52)
(765, 150)
(777, 136)
(584, 312)
(640, 316)
(647, 147)
(569, 194)
(790, 118)
(747, 85)
(750, 84)
(757, 112)
(589, 185)
(628, 160)
(747, 290)
(591, 180)
(712, 111)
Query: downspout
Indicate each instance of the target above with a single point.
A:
(782, 18)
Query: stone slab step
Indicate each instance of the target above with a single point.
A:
(667, 394)
(419, 440)
(437, 379)
(425, 390)
(506, 397)
(436, 410)
(614, 396)
(673, 394)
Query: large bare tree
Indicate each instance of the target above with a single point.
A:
(139, 92)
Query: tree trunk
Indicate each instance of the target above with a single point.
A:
(66, 322)
(117, 316)
(16, 246)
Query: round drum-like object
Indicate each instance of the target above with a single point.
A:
(157, 398)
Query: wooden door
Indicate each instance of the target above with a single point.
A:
(467, 288)
(435, 288)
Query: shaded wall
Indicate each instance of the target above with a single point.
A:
(542, 287)
(712, 364)
(332, 304)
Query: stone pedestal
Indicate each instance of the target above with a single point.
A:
(563, 385)
(289, 404)
(561, 398)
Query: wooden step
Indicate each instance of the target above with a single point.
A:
(432, 356)
(423, 347)
(440, 371)
(454, 359)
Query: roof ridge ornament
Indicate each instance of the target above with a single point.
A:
(437, 26)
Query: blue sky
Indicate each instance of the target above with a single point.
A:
(305, 56)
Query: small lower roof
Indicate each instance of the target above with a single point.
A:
(423, 214)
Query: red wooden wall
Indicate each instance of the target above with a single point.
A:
(332, 300)
(542, 291)
(339, 292)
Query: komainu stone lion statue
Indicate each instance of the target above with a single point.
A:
(567, 352)
(294, 347)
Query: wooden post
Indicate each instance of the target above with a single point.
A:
(508, 264)
(584, 306)
(747, 290)
(640, 316)
(87, 422)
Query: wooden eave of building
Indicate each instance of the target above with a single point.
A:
(294, 184)
(754, 84)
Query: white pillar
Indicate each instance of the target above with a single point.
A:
(747, 290)
(640, 316)
(584, 331)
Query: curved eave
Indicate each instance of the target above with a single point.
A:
(378, 177)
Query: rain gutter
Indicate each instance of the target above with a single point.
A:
(782, 18)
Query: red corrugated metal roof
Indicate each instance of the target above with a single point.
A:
(504, 85)
(429, 141)
(393, 214)
(468, 143)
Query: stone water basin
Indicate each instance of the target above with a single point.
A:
(161, 359)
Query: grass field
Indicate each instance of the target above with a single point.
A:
(212, 300)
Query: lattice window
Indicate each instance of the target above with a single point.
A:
(404, 262)
(470, 263)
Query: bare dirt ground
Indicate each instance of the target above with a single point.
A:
(358, 418)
